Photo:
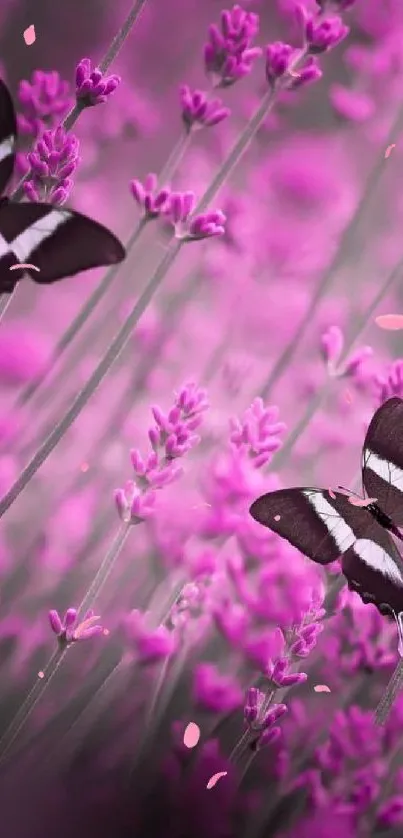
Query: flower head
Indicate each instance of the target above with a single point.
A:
(228, 54)
(197, 227)
(200, 112)
(53, 161)
(151, 200)
(258, 432)
(69, 631)
(92, 87)
(171, 437)
(44, 100)
(322, 35)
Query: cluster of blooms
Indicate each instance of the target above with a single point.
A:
(68, 630)
(54, 159)
(178, 209)
(260, 713)
(52, 163)
(229, 54)
(331, 344)
(172, 436)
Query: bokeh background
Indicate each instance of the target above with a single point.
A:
(201, 602)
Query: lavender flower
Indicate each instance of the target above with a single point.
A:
(228, 55)
(92, 87)
(323, 35)
(279, 59)
(68, 631)
(331, 344)
(151, 200)
(200, 112)
(258, 432)
(188, 228)
(171, 438)
(53, 161)
(45, 100)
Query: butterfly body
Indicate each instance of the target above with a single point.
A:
(58, 241)
(326, 526)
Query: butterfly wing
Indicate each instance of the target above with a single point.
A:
(8, 135)
(382, 463)
(374, 570)
(320, 526)
(59, 242)
(326, 527)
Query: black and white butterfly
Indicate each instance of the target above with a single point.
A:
(325, 525)
(59, 242)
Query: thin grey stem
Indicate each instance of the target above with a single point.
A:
(337, 261)
(175, 158)
(5, 300)
(80, 319)
(106, 62)
(392, 690)
(319, 397)
(105, 569)
(23, 714)
(99, 292)
(115, 348)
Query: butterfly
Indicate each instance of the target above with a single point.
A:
(58, 242)
(326, 525)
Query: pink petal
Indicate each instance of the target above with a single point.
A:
(389, 149)
(391, 322)
(215, 778)
(332, 494)
(191, 735)
(363, 502)
(277, 517)
(30, 35)
(348, 397)
(322, 688)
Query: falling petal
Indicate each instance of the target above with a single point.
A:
(332, 494)
(277, 517)
(41, 674)
(322, 688)
(84, 467)
(24, 266)
(391, 322)
(348, 397)
(191, 735)
(30, 35)
(363, 502)
(215, 778)
(389, 149)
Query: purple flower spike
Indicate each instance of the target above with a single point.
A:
(92, 87)
(67, 630)
(45, 99)
(172, 436)
(151, 200)
(203, 226)
(258, 432)
(278, 59)
(228, 55)
(268, 737)
(198, 111)
(53, 161)
(323, 35)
